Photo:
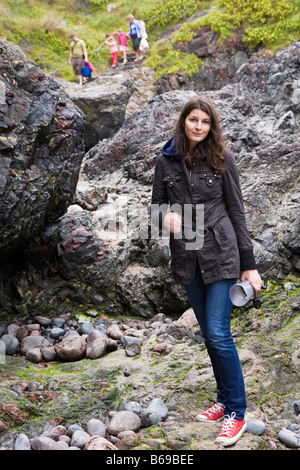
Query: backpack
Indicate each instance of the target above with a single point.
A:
(86, 71)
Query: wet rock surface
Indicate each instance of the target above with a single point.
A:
(150, 401)
(41, 148)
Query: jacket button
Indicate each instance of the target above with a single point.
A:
(202, 271)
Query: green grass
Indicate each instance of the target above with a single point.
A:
(164, 59)
(42, 28)
(272, 24)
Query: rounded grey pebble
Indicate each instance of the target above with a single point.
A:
(72, 428)
(256, 426)
(96, 427)
(289, 438)
(56, 332)
(11, 344)
(80, 439)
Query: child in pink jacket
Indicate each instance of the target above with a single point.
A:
(113, 50)
(122, 40)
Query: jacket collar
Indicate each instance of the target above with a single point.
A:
(169, 149)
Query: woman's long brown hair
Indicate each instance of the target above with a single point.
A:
(214, 148)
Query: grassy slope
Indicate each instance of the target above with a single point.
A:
(42, 28)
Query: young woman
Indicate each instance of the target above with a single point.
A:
(195, 168)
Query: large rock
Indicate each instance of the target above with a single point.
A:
(96, 344)
(72, 349)
(31, 342)
(104, 106)
(41, 148)
(155, 412)
(123, 421)
(110, 98)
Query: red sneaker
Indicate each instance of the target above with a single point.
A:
(232, 429)
(213, 414)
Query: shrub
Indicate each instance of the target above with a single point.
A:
(164, 59)
(264, 21)
(167, 11)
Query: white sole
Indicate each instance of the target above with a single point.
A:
(205, 420)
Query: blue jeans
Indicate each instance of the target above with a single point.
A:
(212, 307)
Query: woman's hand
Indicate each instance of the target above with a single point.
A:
(172, 222)
(254, 278)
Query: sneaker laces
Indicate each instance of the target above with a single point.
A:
(228, 424)
(214, 409)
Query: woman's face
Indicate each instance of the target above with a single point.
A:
(197, 126)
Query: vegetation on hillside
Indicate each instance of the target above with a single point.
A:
(42, 28)
(272, 24)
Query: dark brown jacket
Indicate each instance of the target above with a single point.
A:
(227, 248)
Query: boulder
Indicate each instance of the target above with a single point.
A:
(11, 344)
(31, 342)
(155, 412)
(34, 355)
(72, 349)
(96, 427)
(96, 344)
(80, 439)
(22, 442)
(43, 443)
(109, 99)
(123, 421)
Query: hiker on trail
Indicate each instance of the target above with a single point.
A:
(135, 33)
(111, 42)
(78, 54)
(122, 40)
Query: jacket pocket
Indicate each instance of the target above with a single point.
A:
(211, 184)
(175, 188)
(171, 180)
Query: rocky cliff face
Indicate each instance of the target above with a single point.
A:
(110, 98)
(220, 62)
(41, 148)
(94, 256)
